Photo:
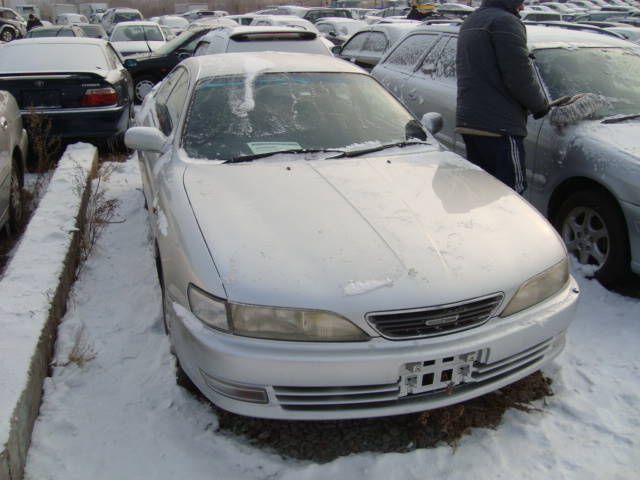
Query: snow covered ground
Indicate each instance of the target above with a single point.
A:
(121, 416)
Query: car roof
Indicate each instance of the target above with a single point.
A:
(272, 62)
(58, 40)
(548, 36)
(249, 30)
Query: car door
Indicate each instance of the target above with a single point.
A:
(432, 88)
(164, 115)
(5, 159)
(397, 66)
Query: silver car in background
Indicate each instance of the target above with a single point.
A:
(322, 257)
(13, 153)
(583, 177)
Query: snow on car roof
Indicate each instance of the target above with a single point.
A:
(280, 62)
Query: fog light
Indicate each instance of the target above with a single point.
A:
(236, 391)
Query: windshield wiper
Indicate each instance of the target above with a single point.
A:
(621, 118)
(256, 156)
(364, 151)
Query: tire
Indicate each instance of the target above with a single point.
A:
(141, 87)
(594, 230)
(16, 200)
(7, 35)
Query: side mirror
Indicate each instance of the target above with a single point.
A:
(183, 54)
(147, 139)
(433, 122)
(336, 50)
(130, 63)
(333, 34)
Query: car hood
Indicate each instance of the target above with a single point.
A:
(136, 47)
(364, 234)
(621, 136)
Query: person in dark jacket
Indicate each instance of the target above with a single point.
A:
(497, 89)
(33, 22)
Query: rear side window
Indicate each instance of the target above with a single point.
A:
(443, 66)
(410, 50)
(353, 46)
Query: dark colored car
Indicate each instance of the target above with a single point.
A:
(56, 31)
(12, 25)
(367, 47)
(78, 84)
(149, 69)
(93, 30)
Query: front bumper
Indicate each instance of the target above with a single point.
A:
(632, 216)
(323, 381)
(101, 122)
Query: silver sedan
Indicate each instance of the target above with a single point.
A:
(322, 257)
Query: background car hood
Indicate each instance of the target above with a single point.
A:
(364, 234)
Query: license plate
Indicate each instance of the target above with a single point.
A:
(438, 374)
(41, 98)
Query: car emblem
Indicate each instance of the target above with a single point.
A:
(39, 83)
(436, 322)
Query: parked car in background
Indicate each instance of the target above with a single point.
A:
(455, 9)
(56, 31)
(368, 46)
(193, 15)
(113, 16)
(70, 19)
(339, 30)
(583, 177)
(12, 25)
(93, 30)
(78, 84)
(175, 23)
(212, 22)
(13, 155)
(260, 39)
(629, 33)
(242, 19)
(148, 69)
(388, 307)
(131, 38)
(537, 16)
(283, 21)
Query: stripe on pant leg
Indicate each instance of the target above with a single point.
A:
(516, 165)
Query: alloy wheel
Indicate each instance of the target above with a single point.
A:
(143, 87)
(586, 236)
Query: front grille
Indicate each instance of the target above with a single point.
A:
(327, 398)
(434, 321)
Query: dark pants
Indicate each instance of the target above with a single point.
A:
(502, 157)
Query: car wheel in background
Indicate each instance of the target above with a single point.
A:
(16, 206)
(141, 87)
(7, 35)
(594, 231)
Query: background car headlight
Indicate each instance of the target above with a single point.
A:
(290, 324)
(208, 309)
(539, 288)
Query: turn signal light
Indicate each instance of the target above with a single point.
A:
(99, 97)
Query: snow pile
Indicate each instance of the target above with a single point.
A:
(32, 277)
(121, 416)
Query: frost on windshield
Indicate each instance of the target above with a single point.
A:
(238, 115)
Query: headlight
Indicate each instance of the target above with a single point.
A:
(208, 309)
(291, 324)
(539, 288)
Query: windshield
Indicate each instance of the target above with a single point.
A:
(126, 17)
(177, 42)
(51, 57)
(176, 22)
(233, 115)
(137, 33)
(611, 72)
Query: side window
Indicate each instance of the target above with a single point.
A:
(353, 46)
(162, 99)
(405, 55)
(177, 98)
(376, 43)
(442, 61)
(218, 45)
(201, 49)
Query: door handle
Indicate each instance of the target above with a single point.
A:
(4, 124)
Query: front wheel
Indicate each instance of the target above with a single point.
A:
(7, 35)
(141, 87)
(16, 206)
(594, 230)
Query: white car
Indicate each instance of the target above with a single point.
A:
(70, 19)
(13, 154)
(288, 21)
(322, 257)
(130, 38)
(175, 23)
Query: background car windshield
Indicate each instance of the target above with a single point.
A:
(169, 47)
(277, 45)
(126, 16)
(613, 73)
(137, 33)
(52, 57)
(290, 111)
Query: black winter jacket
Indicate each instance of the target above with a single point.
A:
(496, 82)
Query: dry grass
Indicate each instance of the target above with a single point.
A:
(81, 353)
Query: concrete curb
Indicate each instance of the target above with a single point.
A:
(33, 296)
